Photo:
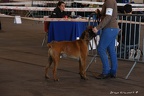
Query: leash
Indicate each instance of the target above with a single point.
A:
(96, 18)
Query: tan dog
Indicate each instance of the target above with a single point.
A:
(76, 49)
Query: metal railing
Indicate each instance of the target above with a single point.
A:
(129, 37)
(130, 44)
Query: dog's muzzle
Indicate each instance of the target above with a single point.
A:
(91, 34)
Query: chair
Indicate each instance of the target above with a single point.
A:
(46, 24)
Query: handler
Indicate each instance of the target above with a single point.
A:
(110, 29)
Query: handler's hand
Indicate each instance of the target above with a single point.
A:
(95, 30)
(97, 11)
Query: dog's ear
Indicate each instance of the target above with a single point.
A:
(86, 31)
(89, 27)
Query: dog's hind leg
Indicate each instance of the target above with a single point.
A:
(50, 61)
(56, 61)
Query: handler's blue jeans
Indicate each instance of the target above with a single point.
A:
(107, 44)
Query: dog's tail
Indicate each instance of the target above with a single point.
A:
(49, 45)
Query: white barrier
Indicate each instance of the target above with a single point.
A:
(49, 19)
(47, 8)
(83, 2)
(51, 9)
(32, 2)
(101, 3)
(67, 19)
(14, 6)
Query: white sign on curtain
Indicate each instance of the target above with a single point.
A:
(17, 20)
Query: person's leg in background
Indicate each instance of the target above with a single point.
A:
(106, 39)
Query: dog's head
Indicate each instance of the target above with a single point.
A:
(88, 34)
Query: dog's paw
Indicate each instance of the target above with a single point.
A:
(56, 79)
(84, 77)
(47, 77)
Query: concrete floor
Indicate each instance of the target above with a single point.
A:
(22, 63)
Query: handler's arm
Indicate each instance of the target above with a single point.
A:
(108, 15)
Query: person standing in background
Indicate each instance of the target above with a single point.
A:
(110, 29)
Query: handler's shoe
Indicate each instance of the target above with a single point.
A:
(112, 76)
(103, 76)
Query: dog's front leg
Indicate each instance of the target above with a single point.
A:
(82, 66)
(80, 69)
